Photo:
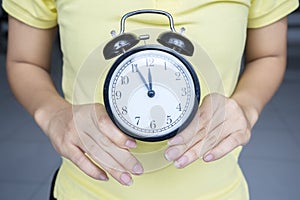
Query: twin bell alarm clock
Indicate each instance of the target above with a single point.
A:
(151, 91)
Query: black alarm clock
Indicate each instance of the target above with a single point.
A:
(151, 91)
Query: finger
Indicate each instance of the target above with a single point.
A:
(114, 134)
(107, 160)
(187, 135)
(201, 147)
(106, 126)
(128, 161)
(98, 154)
(85, 164)
(175, 151)
(93, 118)
(218, 143)
(120, 155)
(209, 115)
(117, 173)
(114, 169)
(195, 152)
(227, 145)
(203, 140)
(111, 166)
(122, 177)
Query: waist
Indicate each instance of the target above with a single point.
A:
(199, 180)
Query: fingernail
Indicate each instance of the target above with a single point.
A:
(138, 169)
(171, 154)
(175, 140)
(131, 144)
(103, 177)
(208, 158)
(126, 179)
(181, 162)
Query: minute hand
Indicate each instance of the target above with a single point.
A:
(150, 79)
(143, 79)
(151, 92)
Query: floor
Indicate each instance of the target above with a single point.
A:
(271, 161)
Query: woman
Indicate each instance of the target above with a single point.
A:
(97, 161)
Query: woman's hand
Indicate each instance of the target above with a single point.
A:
(76, 132)
(219, 126)
(80, 132)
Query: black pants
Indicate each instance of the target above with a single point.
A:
(52, 186)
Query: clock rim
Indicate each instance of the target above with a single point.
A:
(143, 48)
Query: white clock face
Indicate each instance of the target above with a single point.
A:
(151, 93)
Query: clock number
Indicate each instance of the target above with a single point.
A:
(137, 118)
(124, 110)
(134, 68)
(153, 124)
(118, 95)
(169, 119)
(150, 62)
(183, 91)
(124, 80)
(177, 74)
(178, 107)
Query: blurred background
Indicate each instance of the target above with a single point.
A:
(271, 161)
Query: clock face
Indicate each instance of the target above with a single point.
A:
(151, 93)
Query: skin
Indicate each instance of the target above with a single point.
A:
(220, 125)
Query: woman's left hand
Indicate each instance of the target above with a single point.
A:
(220, 125)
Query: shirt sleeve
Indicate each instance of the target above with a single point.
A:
(265, 12)
(36, 13)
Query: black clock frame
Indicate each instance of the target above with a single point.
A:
(157, 48)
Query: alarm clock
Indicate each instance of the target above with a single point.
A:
(151, 91)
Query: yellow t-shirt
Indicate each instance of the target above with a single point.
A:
(219, 27)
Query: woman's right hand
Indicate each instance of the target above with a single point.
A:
(84, 132)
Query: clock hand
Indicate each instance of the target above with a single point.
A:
(151, 92)
(150, 79)
(143, 79)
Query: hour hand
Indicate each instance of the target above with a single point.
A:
(149, 79)
(151, 92)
